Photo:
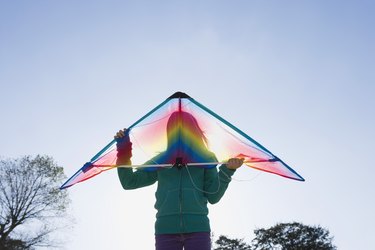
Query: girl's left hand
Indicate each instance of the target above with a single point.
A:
(234, 163)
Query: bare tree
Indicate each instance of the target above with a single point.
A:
(31, 203)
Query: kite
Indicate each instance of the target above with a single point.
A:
(153, 133)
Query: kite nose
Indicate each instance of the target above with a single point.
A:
(179, 95)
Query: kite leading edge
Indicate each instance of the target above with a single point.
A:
(149, 137)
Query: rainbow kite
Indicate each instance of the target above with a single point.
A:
(180, 131)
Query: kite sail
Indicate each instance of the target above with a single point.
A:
(149, 138)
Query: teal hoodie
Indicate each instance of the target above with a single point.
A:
(182, 194)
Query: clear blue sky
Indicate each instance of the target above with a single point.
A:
(297, 76)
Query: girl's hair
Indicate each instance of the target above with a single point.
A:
(184, 126)
(186, 141)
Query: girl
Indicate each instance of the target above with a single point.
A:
(182, 192)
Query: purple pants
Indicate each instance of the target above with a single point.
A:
(188, 241)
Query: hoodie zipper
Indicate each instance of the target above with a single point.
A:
(182, 227)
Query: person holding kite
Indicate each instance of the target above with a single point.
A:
(183, 191)
(171, 149)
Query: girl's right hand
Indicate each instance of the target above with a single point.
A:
(124, 145)
(120, 134)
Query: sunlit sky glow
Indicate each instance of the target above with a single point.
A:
(297, 76)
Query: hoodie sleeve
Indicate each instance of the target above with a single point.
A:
(216, 182)
(130, 179)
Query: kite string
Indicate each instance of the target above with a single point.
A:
(241, 180)
(219, 183)
(199, 189)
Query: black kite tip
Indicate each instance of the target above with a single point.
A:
(179, 95)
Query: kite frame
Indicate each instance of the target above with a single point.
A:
(183, 95)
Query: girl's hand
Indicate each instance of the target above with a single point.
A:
(122, 137)
(120, 134)
(124, 147)
(234, 163)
